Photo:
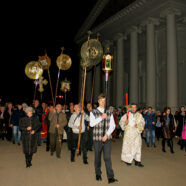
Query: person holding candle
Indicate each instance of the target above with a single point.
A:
(133, 125)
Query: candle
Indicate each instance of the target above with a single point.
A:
(127, 101)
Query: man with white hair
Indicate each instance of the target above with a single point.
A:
(24, 105)
(74, 123)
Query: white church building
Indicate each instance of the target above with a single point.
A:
(147, 39)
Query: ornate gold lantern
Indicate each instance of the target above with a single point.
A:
(65, 87)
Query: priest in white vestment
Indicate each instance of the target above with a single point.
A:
(132, 142)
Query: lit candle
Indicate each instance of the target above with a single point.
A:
(127, 101)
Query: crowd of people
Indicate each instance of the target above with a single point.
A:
(38, 124)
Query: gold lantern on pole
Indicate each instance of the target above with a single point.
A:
(65, 87)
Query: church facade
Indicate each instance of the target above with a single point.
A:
(147, 39)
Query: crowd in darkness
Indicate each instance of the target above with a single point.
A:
(164, 126)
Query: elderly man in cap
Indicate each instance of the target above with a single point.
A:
(29, 126)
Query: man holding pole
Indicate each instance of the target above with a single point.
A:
(77, 127)
(104, 125)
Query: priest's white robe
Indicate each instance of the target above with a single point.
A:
(132, 141)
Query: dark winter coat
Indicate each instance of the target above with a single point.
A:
(39, 112)
(3, 123)
(16, 116)
(5, 119)
(168, 132)
(29, 141)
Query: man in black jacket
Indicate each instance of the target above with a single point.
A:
(89, 130)
(47, 121)
(38, 114)
(16, 116)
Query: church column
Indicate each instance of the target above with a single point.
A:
(172, 66)
(119, 70)
(150, 63)
(134, 92)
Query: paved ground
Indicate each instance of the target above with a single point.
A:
(161, 169)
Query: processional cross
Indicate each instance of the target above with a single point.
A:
(41, 81)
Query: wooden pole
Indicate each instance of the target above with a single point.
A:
(93, 81)
(58, 75)
(41, 96)
(51, 86)
(35, 89)
(65, 98)
(82, 108)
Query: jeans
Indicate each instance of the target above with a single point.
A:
(17, 134)
(150, 133)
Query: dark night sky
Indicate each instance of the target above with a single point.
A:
(30, 28)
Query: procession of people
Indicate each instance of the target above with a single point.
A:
(43, 124)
